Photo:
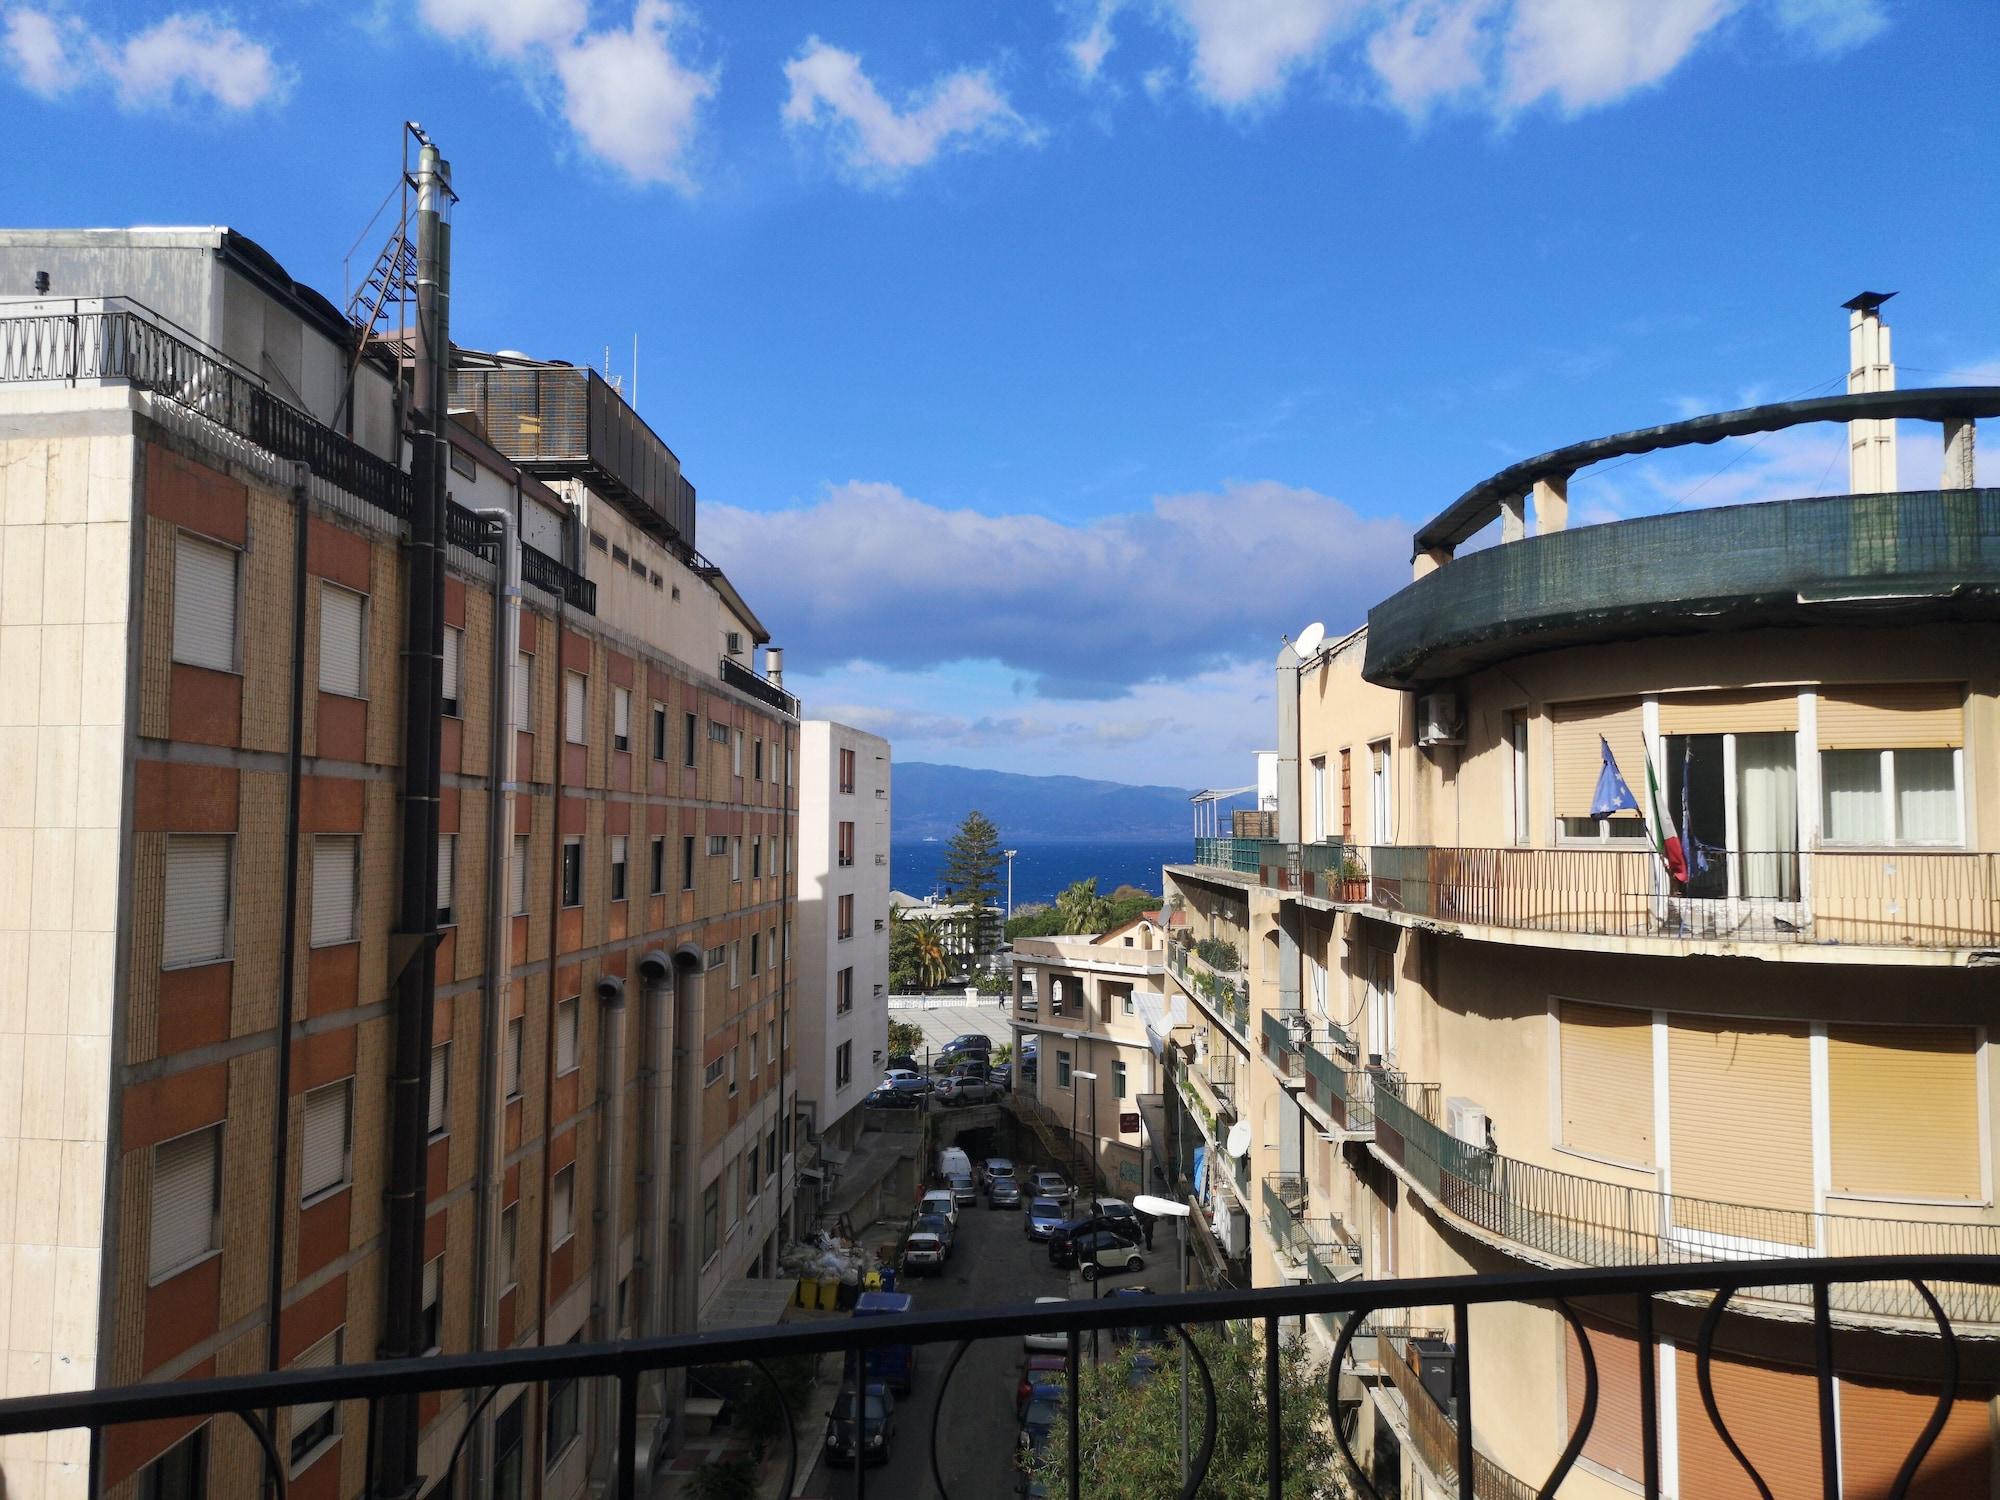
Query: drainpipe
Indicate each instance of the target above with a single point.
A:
(606, 1219)
(414, 940)
(1288, 820)
(546, 1219)
(499, 956)
(683, 1268)
(656, 999)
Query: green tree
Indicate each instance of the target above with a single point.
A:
(927, 950)
(1082, 909)
(972, 870)
(905, 1039)
(1130, 1433)
(903, 967)
(1038, 920)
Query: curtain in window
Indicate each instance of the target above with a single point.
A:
(1767, 816)
(1926, 797)
(1851, 788)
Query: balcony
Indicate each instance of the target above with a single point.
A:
(1242, 856)
(1226, 992)
(1558, 1218)
(736, 675)
(1321, 1249)
(1426, 1412)
(1915, 898)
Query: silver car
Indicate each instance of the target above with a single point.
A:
(1003, 1192)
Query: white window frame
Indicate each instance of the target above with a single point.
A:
(510, 1246)
(1886, 828)
(324, 1353)
(621, 873)
(1381, 791)
(621, 718)
(518, 874)
(447, 887)
(1317, 772)
(512, 1064)
(1519, 785)
(576, 708)
(524, 691)
(189, 544)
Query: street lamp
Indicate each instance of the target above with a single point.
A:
(1010, 853)
(1167, 1208)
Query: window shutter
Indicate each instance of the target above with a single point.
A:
(334, 861)
(566, 1015)
(453, 642)
(322, 1356)
(511, 1064)
(1895, 716)
(204, 604)
(1927, 1080)
(1879, 1425)
(1732, 1082)
(1607, 1081)
(323, 1154)
(447, 871)
(433, 1268)
(1616, 1439)
(524, 690)
(1578, 759)
(562, 1209)
(573, 708)
(438, 1105)
(184, 1183)
(1773, 1414)
(340, 640)
(519, 874)
(1751, 711)
(196, 920)
(621, 702)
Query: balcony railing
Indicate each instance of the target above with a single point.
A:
(740, 677)
(1244, 856)
(1321, 1245)
(1585, 1221)
(1227, 993)
(1923, 898)
(1432, 1430)
(623, 1371)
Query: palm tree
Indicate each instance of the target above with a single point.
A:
(1082, 909)
(928, 949)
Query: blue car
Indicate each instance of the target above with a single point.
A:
(1045, 1216)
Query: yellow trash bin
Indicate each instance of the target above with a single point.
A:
(829, 1293)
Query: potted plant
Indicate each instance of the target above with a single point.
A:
(1353, 880)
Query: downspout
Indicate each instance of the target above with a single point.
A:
(499, 955)
(607, 1215)
(685, 1262)
(549, 1028)
(281, 1115)
(1288, 821)
(656, 972)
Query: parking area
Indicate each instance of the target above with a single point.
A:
(940, 1026)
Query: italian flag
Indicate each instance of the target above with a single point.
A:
(1660, 827)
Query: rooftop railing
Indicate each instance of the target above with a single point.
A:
(1243, 856)
(625, 1371)
(740, 677)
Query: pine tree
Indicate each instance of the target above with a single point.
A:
(972, 871)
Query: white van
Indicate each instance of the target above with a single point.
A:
(951, 1163)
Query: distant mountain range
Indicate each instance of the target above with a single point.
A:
(929, 801)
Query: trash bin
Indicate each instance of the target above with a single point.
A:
(829, 1293)
(808, 1293)
(888, 1279)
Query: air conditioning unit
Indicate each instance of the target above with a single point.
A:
(1440, 720)
(1232, 1229)
(1467, 1122)
(733, 642)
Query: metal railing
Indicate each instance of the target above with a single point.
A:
(740, 677)
(1227, 994)
(623, 1372)
(553, 576)
(1432, 1430)
(1244, 856)
(1924, 898)
(1589, 1222)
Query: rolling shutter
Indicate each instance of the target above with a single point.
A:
(433, 1271)
(1879, 1424)
(1732, 1083)
(323, 1149)
(1578, 759)
(621, 708)
(1774, 1416)
(447, 874)
(566, 1036)
(518, 874)
(1607, 1081)
(1616, 1437)
(562, 1206)
(454, 641)
(334, 859)
(573, 708)
(204, 603)
(322, 1356)
(1895, 716)
(341, 614)
(438, 1104)
(195, 926)
(1749, 711)
(184, 1193)
(524, 690)
(511, 1063)
(1925, 1080)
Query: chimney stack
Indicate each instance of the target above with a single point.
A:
(774, 666)
(1871, 445)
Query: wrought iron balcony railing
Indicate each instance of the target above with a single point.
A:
(623, 1370)
(1432, 1429)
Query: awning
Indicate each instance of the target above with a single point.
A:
(1153, 1115)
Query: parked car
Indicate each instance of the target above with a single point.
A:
(1043, 1377)
(905, 1062)
(942, 1201)
(992, 1167)
(1005, 1193)
(923, 1251)
(1061, 1239)
(1114, 1208)
(1002, 1077)
(861, 1424)
(957, 1090)
(1044, 1217)
(1049, 1185)
(893, 1074)
(1053, 1342)
(940, 1226)
(914, 1083)
(970, 1041)
(964, 1190)
(893, 1364)
(971, 1067)
(888, 1098)
(1104, 1252)
(1037, 1422)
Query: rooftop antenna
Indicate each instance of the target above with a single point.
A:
(392, 279)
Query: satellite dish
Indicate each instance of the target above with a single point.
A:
(1309, 640)
(1238, 1143)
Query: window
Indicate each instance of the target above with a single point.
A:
(771, 1152)
(433, 1274)
(575, 698)
(847, 771)
(713, 1072)
(524, 690)
(562, 1206)
(1517, 742)
(658, 867)
(437, 1103)
(1605, 1057)
(736, 858)
(619, 844)
(846, 917)
(687, 861)
(693, 726)
(510, 1065)
(187, 1196)
(454, 647)
(1316, 778)
(195, 926)
(1380, 828)
(711, 1221)
(1759, 825)
(735, 963)
(718, 845)
(771, 1042)
(1125, 1004)
(756, 858)
(315, 1424)
(621, 718)
(659, 731)
(1890, 796)
(343, 655)
(736, 753)
(757, 760)
(336, 864)
(751, 1051)
(447, 877)
(1062, 1070)
(566, 1023)
(1118, 1080)
(510, 1230)
(181, 1473)
(717, 957)
(843, 992)
(843, 1065)
(518, 874)
(325, 1142)
(572, 871)
(564, 1399)
(204, 603)
(847, 843)
(753, 1178)
(718, 733)
(756, 954)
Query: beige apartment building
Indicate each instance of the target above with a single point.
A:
(1482, 1025)
(201, 682)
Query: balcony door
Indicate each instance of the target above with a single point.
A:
(1735, 800)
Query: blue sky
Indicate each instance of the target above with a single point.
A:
(1041, 364)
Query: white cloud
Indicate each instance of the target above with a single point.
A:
(186, 57)
(1432, 51)
(1245, 50)
(880, 142)
(631, 100)
(1586, 53)
(507, 28)
(1089, 49)
(1832, 25)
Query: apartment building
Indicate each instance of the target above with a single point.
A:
(1091, 1017)
(843, 925)
(1495, 1020)
(202, 600)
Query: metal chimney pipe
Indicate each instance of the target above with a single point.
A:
(774, 665)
